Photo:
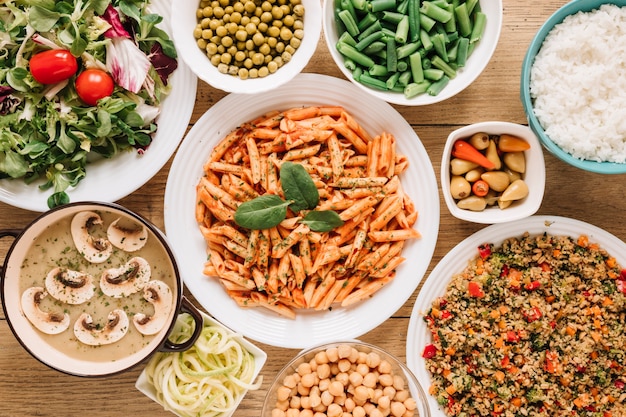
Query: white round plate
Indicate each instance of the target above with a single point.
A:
(112, 179)
(456, 260)
(310, 327)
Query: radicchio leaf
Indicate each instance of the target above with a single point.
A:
(8, 102)
(127, 64)
(163, 64)
(117, 28)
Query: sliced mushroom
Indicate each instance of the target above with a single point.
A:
(90, 333)
(95, 250)
(47, 322)
(68, 286)
(159, 295)
(127, 279)
(129, 238)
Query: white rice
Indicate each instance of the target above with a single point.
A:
(578, 84)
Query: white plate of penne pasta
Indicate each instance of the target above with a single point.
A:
(332, 259)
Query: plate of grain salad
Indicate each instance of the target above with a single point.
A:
(526, 318)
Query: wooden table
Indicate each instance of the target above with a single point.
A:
(28, 388)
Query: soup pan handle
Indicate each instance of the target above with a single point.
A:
(187, 307)
(8, 232)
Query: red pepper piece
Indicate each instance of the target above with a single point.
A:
(484, 250)
(464, 150)
(429, 351)
(531, 286)
(512, 336)
(475, 290)
(532, 314)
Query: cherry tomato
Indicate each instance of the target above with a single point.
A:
(53, 66)
(94, 84)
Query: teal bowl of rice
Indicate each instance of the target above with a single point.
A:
(571, 85)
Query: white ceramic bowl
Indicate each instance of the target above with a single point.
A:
(535, 175)
(397, 368)
(184, 21)
(465, 76)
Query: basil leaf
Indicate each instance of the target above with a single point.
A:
(322, 221)
(262, 212)
(298, 186)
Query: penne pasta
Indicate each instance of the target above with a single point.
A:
(290, 266)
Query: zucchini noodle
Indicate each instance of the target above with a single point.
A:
(208, 379)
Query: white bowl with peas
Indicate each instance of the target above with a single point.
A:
(493, 172)
(412, 52)
(239, 46)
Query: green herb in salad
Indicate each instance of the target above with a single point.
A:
(79, 79)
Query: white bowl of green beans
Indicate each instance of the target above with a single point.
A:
(412, 52)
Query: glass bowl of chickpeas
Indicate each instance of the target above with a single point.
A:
(345, 378)
(246, 46)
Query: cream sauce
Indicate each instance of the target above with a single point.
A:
(54, 248)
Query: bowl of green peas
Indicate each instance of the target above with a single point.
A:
(412, 52)
(246, 46)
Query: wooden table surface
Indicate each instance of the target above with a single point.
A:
(28, 388)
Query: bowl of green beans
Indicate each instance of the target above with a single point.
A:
(412, 52)
(244, 46)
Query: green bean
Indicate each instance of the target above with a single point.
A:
(404, 79)
(392, 80)
(373, 82)
(378, 70)
(402, 30)
(402, 66)
(480, 20)
(426, 63)
(450, 25)
(352, 53)
(359, 4)
(392, 56)
(425, 39)
(439, 44)
(435, 12)
(349, 22)
(374, 48)
(433, 74)
(442, 65)
(347, 5)
(426, 22)
(407, 49)
(403, 7)
(414, 20)
(417, 72)
(379, 5)
(462, 17)
(413, 89)
(462, 51)
(349, 64)
(363, 43)
(393, 17)
(346, 38)
(436, 87)
(368, 20)
(471, 4)
(366, 31)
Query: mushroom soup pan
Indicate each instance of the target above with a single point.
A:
(92, 289)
